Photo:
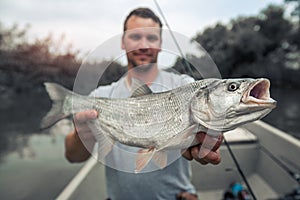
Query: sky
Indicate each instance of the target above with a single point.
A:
(88, 24)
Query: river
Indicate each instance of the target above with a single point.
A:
(286, 116)
(33, 165)
(36, 167)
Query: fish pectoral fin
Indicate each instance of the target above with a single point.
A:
(143, 158)
(105, 143)
(160, 158)
(105, 146)
(184, 137)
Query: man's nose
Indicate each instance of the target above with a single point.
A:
(143, 43)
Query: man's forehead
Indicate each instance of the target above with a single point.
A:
(144, 31)
(135, 22)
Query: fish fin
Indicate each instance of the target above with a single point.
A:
(139, 88)
(57, 94)
(105, 143)
(185, 138)
(160, 158)
(143, 158)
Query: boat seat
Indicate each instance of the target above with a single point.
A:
(240, 135)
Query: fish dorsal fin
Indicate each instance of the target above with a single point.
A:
(139, 88)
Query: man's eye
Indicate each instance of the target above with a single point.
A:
(152, 38)
(135, 37)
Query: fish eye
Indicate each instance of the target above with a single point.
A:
(233, 86)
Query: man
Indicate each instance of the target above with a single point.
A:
(142, 42)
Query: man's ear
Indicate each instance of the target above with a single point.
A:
(160, 46)
(123, 43)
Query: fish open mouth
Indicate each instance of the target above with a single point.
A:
(258, 93)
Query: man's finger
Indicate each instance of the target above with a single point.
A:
(205, 156)
(195, 155)
(187, 154)
(85, 116)
(208, 141)
(213, 157)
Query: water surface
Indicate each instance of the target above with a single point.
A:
(286, 116)
(36, 169)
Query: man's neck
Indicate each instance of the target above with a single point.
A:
(146, 76)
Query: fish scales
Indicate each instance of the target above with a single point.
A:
(150, 119)
(144, 118)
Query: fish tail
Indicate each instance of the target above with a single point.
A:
(58, 95)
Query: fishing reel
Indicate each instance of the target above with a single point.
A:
(236, 191)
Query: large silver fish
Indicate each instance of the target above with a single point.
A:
(169, 120)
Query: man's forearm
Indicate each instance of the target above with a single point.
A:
(75, 149)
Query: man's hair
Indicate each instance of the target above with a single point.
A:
(143, 13)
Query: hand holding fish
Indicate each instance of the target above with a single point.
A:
(207, 151)
(81, 126)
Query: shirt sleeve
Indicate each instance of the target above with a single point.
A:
(185, 79)
(102, 91)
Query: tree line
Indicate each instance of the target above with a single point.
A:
(263, 45)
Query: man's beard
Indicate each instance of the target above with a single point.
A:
(142, 68)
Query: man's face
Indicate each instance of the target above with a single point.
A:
(142, 42)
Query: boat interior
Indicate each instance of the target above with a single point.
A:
(267, 158)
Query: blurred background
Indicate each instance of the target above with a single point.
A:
(48, 41)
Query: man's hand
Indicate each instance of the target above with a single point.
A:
(207, 151)
(80, 142)
(81, 127)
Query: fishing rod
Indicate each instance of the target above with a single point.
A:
(189, 68)
(239, 169)
(187, 64)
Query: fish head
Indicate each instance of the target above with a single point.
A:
(228, 103)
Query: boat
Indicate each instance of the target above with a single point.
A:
(267, 167)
